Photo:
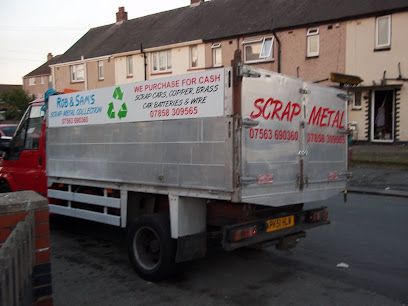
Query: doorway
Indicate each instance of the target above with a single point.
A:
(382, 116)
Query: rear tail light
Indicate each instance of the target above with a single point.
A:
(243, 233)
(318, 216)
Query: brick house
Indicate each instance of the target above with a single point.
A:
(307, 39)
(40, 79)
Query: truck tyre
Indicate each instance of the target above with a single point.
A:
(151, 249)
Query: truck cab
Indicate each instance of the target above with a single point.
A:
(23, 164)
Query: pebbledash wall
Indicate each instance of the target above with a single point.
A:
(14, 208)
(180, 58)
(294, 60)
(364, 60)
(62, 74)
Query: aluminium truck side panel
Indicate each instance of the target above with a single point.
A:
(292, 151)
(189, 153)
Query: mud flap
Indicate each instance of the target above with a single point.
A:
(191, 247)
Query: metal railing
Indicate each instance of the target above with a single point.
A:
(16, 264)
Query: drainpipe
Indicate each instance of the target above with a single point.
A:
(279, 50)
(85, 73)
(144, 61)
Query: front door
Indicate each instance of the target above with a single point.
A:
(382, 116)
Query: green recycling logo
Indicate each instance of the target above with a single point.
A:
(118, 96)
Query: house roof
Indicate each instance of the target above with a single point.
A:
(7, 87)
(218, 19)
(44, 68)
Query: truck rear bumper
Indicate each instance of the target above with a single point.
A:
(274, 229)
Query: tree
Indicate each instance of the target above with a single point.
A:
(16, 103)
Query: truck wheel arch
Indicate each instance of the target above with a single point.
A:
(5, 186)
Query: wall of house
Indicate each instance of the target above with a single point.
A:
(121, 76)
(40, 87)
(364, 61)
(62, 79)
(180, 61)
(331, 58)
(92, 74)
(229, 46)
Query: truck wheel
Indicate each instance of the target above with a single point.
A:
(150, 247)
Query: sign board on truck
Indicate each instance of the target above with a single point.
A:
(194, 95)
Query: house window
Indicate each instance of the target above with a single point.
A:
(193, 57)
(383, 32)
(77, 73)
(357, 100)
(50, 79)
(216, 55)
(312, 42)
(101, 74)
(258, 50)
(42, 80)
(31, 81)
(129, 66)
(161, 61)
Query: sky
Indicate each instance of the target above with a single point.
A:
(30, 29)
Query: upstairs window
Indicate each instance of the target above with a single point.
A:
(258, 50)
(383, 32)
(312, 42)
(77, 73)
(216, 55)
(193, 57)
(161, 61)
(42, 80)
(31, 81)
(101, 72)
(129, 66)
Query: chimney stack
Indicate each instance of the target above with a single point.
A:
(121, 15)
(49, 56)
(196, 2)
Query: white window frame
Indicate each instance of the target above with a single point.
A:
(74, 69)
(268, 57)
(195, 47)
(31, 81)
(42, 81)
(101, 70)
(156, 61)
(129, 66)
(354, 106)
(311, 33)
(215, 48)
(377, 33)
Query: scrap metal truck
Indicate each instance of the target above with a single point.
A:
(224, 154)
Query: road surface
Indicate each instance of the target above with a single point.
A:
(367, 237)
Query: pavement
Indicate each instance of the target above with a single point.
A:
(379, 170)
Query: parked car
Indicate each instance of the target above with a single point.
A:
(7, 130)
(6, 133)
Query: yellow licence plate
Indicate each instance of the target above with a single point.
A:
(279, 223)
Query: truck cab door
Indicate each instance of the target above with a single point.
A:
(24, 163)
